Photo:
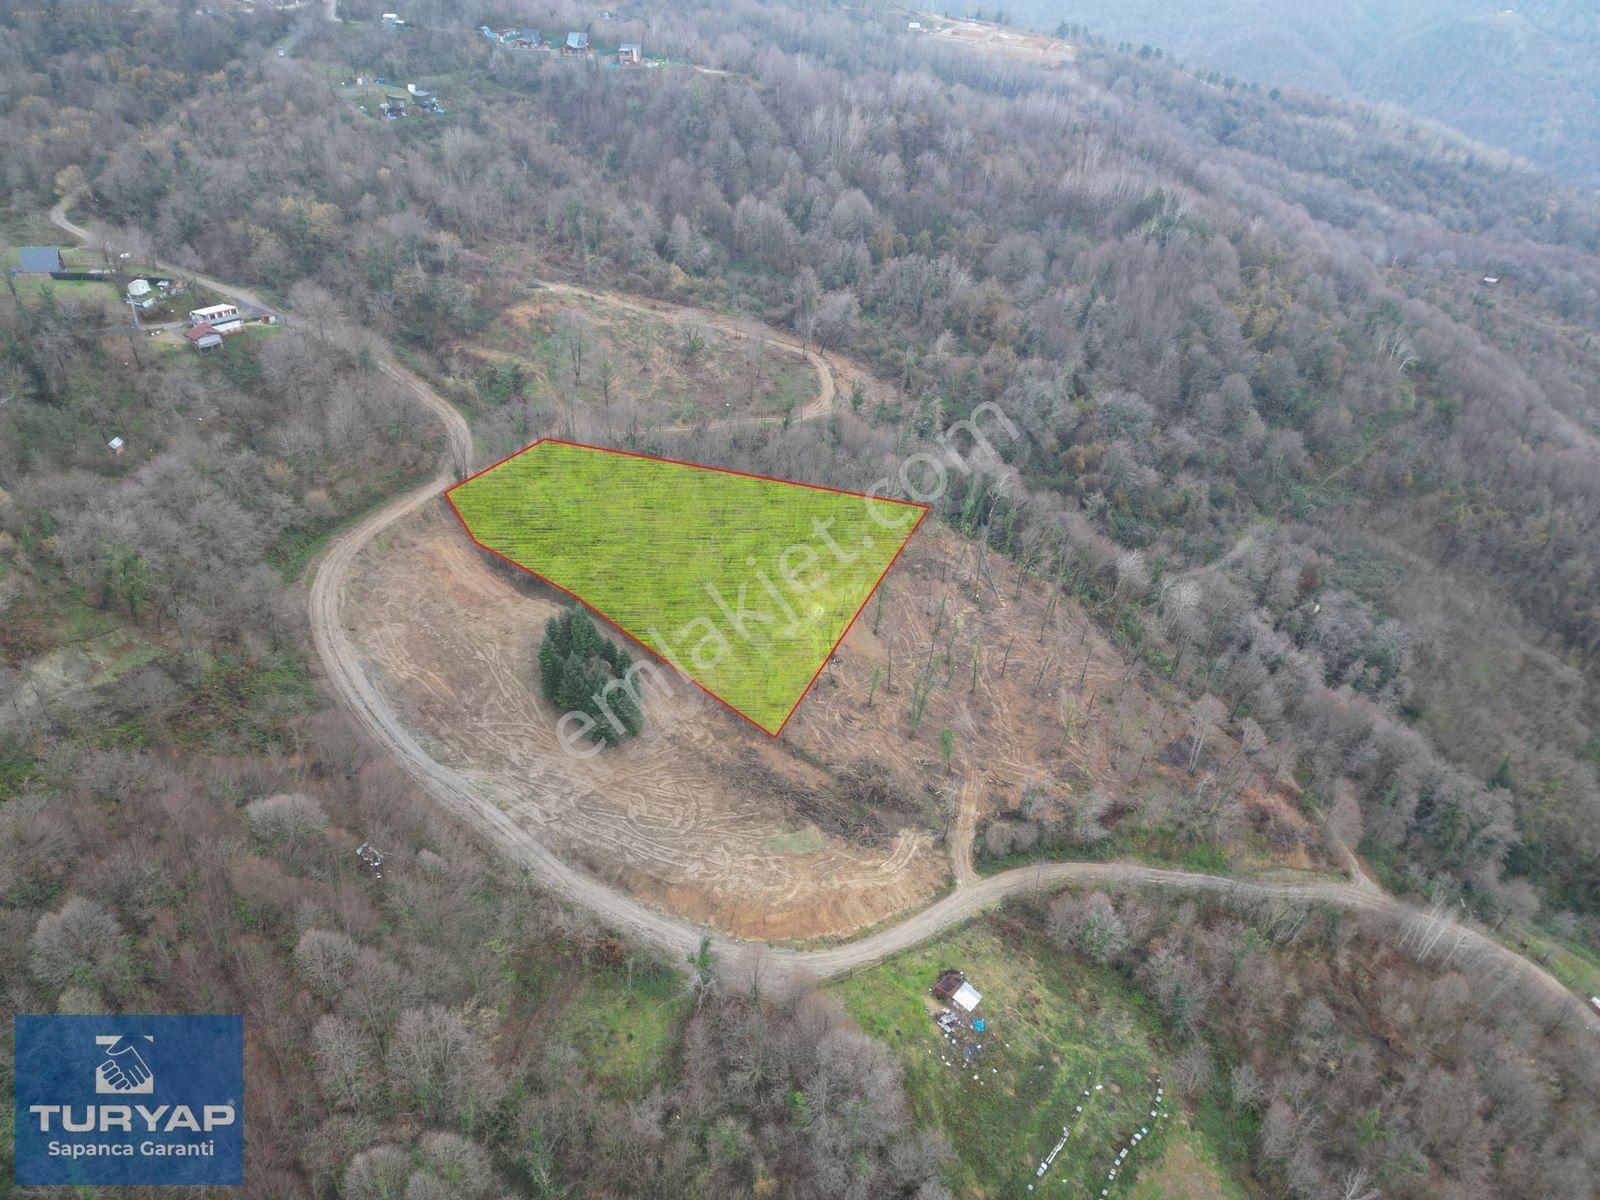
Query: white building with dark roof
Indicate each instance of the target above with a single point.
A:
(222, 318)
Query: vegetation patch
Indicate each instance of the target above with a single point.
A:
(801, 841)
(17, 768)
(1187, 1171)
(744, 583)
(624, 1020)
(242, 703)
(1053, 1030)
(580, 673)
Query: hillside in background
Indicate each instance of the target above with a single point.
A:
(1523, 76)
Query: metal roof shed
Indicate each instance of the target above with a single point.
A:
(39, 260)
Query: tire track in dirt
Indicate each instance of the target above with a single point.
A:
(678, 938)
(965, 828)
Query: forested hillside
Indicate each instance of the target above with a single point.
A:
(1263, 389)
(1519, 76)
(1354, 1083)
(1254, 404)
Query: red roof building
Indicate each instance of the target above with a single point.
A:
(203, 337)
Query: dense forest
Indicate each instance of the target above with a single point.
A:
(1361, 1057)
(1270, 423)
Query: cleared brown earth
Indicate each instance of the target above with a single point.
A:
(833, 829)
(636, 367)
(998, 41)
(1040, 706)
(683, 816)
(854, 816)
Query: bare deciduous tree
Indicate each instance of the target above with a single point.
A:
(1204, 715)
(326, 961)
(80, 943)
(287, 822)
(439, 1064)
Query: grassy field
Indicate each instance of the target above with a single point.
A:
(1187, 1170)
(623, 1029)
(725, 576)
(1572, 962)
(1055, 1030)
(620, 1022)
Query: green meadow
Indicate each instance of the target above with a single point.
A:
(1056, 1028)
(744, 584)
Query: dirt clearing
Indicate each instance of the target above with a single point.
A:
(999, 41)
(852, 817)
(676, 816)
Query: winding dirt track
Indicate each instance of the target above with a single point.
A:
(972, 894)
(1469, 949)
(827, 389)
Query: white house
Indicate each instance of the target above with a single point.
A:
(223, 318)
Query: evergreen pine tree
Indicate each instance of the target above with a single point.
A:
(575, 694)
(626, 709)
(552, 658)
(576, 663)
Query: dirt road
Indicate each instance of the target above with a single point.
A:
(1471, 949)
(247, 300)
(964, 828)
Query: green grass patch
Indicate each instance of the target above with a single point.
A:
(744, 584)
(1577, 965)
(1188, 1169)
(1155, 844)
(799, 841)
(619, 1018)
(624, 1029)
(18, 768)
(1055, 1028)
(35, 288)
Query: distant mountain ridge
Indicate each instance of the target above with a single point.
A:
(1523, 76)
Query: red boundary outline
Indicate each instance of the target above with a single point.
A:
(826, 658)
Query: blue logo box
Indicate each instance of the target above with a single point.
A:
(126, 1101)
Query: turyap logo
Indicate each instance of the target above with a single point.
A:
(120, 1101)
(124, 1071)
